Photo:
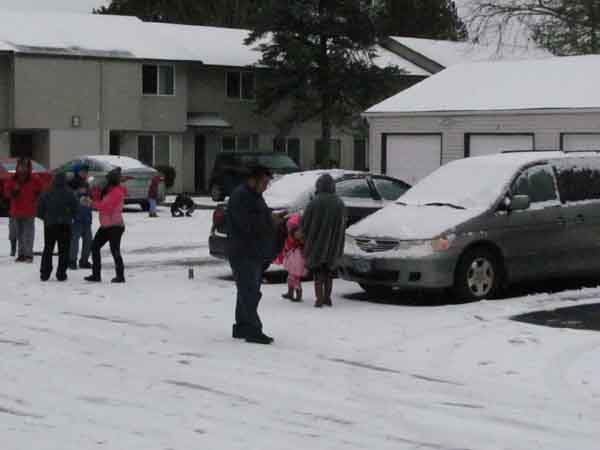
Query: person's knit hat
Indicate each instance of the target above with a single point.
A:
(114, 176)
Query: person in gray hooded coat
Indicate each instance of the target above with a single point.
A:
(324, 227)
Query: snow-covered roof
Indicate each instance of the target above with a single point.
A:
(85, 34)
(560, 83)
(128, 37)
(450, 53)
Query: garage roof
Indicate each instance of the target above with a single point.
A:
(450, 53)
(72, 34)
(560, 83)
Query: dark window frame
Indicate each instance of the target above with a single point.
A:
(239, 95)
(157, 68)
(154, 136)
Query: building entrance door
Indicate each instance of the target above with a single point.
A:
(200, 163)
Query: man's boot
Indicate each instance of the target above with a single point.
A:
(319, 294)
(13, 247)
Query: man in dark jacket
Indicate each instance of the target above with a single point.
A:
(251, 229)
(57, 208)
(82, 225)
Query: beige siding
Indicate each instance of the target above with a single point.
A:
(122, 94)
(66, 145)
(49, 91)
(5, 91)
(546, 128)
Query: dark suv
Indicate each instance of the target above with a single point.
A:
(231, 168)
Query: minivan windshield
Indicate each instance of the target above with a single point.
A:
(277, 162)
(464, 184)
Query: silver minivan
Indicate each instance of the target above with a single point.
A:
(478, 224)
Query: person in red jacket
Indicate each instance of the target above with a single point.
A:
(112, 227)
(153, 196)
(23, 190)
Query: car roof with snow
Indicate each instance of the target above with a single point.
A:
(124, 162)
(297, 187)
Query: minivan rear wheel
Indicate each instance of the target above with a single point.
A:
(478, 275)
(216, 193)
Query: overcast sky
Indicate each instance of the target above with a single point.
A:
(52, 5)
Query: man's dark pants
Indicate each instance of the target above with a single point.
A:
(54, 234)
(248, 278)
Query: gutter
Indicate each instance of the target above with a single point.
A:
(475, 112)
(411, 55)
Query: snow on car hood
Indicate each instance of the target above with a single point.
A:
(407, 222)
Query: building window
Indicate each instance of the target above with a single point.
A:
(241, 85)
(241, 143)
(158, 79)
(331, 160)
(291, 146)
(154, 150)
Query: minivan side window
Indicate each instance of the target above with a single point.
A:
(579, 181)
(537, 183)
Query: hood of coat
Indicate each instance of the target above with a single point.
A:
(410, 222)
(28, 165)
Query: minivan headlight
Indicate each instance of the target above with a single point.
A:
(440, 244)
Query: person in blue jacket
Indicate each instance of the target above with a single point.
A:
(82, 225)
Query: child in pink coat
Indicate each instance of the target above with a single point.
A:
(293, 259)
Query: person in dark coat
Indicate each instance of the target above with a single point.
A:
(82, 225)
(57, 208)
(183, 205)
(251, 229)
(324, 227)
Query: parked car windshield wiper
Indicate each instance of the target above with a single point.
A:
(445, 204)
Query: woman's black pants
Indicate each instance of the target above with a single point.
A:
(113, 236)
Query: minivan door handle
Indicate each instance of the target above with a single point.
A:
(579, 219)
(561, 221)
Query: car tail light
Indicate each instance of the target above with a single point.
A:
(159, 178)
(218, 217)
(126, 178)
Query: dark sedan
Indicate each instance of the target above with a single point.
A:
(363, 193)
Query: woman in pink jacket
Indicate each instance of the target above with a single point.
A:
(112, 227)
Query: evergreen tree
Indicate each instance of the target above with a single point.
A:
(223, 13)
(565, 27)
(434, 19)
(320, 59)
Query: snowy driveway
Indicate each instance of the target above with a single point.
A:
(151, 364)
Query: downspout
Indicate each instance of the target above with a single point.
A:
(101, 105)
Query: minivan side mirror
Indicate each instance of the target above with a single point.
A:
(519, 203)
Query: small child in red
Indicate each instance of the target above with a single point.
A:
(293, 259)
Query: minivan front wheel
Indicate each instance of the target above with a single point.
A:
(478, 275)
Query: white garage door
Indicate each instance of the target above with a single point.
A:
(572, 142)
(489, 144)
(412, 157)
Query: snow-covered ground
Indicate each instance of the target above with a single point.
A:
(151, 364)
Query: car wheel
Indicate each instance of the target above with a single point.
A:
(216, 193)
(478, 275)
(377, 290)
